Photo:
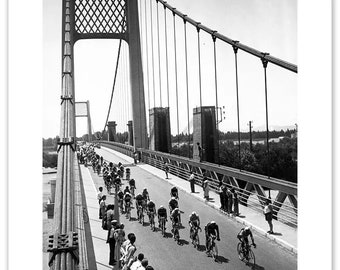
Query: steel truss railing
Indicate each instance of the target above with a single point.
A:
(249, 186)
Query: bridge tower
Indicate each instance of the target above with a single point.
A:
(78, 113)
(107, 19)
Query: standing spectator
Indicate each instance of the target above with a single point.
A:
(101, 160)
(224, 190)
(230, 201)
(102, 207)
(206, 188)
(222, 195)
(145, 263)
(200, 151)
(138, 263)
(112, 243)
(235, 199)
(99, 198)
(166, 169)
(127, 250)
(192, 181)
(268, 213)
(110, 215)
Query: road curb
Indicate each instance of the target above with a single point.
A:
(278, 241)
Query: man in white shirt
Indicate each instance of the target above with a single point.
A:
(99, 198)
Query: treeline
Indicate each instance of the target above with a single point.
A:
(256, 135)
(281, 162)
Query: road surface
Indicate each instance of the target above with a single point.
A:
(166, 254)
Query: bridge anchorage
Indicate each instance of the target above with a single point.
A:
(153, 140)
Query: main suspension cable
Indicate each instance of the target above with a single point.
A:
(166, 56)
(113, 87)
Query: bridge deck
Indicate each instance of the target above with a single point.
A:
(164, 253)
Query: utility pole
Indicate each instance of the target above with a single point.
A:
(250, 136)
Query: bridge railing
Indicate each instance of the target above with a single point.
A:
(250, 187)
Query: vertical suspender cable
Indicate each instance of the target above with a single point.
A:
(217, 122)
(238, 108)
(166, 55)
(153, 61)
(173, 13)
(159, 59)
(265, 63)
(199, 64)
(187, 81)
(147, 57)
(113, 87)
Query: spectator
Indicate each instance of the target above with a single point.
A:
(268, 213)
(102, 207)
(222, 195)
(224, 190)
(235, 199)
(99, 197)
(145, 263)
(101, 160)
(206, 188)
(119, 234)
(127, 250)
(112, 243)
(192, 181)
(166, 169)
(138, 263)
(230, 201)
(110, 215)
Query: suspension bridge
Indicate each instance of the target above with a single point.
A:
(160, 53)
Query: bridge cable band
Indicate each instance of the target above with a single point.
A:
(66, 97)
(66, 141)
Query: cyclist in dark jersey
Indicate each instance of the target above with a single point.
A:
(243, 237)
(161, 213)
(211, 229)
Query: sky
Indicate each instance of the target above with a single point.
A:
(266, 25)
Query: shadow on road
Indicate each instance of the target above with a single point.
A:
(183, 242)
(221, 259)
(201, 248)
(276, 233)
(241, 216)
(146, 224)
(168, 235)
(256, 267)
(133, 219)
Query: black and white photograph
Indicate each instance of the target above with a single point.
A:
(171, 135)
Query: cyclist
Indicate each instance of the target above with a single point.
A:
(132, 185)
(151, 210)
(211, 229)
(139, 202)
(173, 204)
(175, 216)
(146, 195)
(194, 221)
(127, 200)
(161, 214)
(243, 237)
(174, 192)
(117, 182)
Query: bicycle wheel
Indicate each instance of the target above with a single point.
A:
(251, 259)
(240, 251)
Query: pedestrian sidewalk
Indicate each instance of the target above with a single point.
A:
(99, 236)
(284, 235)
